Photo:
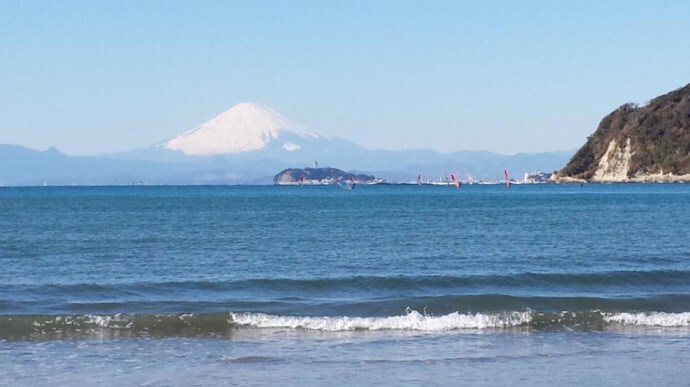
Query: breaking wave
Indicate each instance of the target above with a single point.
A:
(413, 320)
(416, 321)
(226, 324)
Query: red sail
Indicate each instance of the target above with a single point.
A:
(454, 180)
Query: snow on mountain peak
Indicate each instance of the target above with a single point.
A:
(290, 147)
(243, 128)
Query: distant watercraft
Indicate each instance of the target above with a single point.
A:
(454, 180)
(346, 184)
(507, 176)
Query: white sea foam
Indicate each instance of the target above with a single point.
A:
(117, 321)
(410, 321)
(658, 319)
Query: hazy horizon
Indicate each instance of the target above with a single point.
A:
(93, 78)
(164, 143)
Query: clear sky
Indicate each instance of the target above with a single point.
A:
(506, 76)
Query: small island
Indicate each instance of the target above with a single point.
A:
(321, 176)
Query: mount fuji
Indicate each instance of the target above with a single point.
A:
(244, 128)
(251, 139)
(248, 144)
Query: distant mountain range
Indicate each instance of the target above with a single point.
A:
(249, 144)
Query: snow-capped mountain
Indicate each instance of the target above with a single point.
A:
(243, 128)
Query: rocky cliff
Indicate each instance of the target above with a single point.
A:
(638, 143)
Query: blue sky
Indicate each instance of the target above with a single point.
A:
(506, 76)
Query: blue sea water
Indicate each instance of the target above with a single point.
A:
(391, 285)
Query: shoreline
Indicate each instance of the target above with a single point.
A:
(650, 178)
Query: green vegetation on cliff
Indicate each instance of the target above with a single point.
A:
(658, 134)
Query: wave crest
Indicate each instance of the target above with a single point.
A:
(656, 319)
(413, 320)
(43, 327)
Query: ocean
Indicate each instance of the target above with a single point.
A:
(318, 285)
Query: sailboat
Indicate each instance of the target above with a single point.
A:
(507, 176)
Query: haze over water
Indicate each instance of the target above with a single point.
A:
(380, 284)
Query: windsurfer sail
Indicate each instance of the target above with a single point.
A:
(348, 183)
(507, 176)
(419, 179)
(454, 180)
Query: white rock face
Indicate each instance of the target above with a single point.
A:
(243, 128)
(615, 163)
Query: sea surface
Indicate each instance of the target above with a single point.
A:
(378, 285)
